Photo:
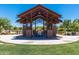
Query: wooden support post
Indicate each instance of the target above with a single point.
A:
(43, 25)
(31, 24)
(35, 25)
(31, 29)
(24, 30)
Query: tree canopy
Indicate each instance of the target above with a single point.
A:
(5, 24)
(70, 26)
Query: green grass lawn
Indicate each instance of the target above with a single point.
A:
(13, 49)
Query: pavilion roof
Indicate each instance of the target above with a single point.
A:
(38, 6)
(39, 11)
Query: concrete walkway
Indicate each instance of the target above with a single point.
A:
(61, 40)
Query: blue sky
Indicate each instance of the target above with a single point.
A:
(68, 11)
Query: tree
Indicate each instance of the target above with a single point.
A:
(4, 24)
(70, 26)
(17, 29)
(66, 26)
(76, 25)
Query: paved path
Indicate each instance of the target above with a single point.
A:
(62, 40)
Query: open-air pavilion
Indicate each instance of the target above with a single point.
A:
(39, 22)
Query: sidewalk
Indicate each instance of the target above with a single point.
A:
(62, 40)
